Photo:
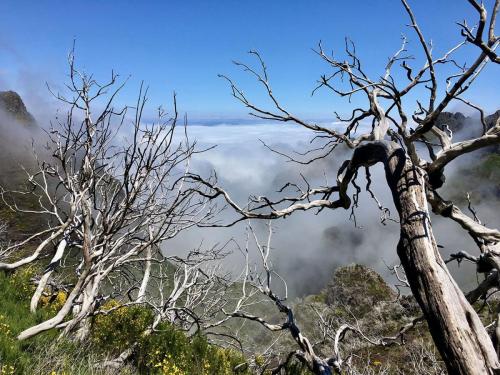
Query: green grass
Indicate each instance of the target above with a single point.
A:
(167, 351)
(15, 292)
(41, 354)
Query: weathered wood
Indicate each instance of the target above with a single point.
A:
(455, 327)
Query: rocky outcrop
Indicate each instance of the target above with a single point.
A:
(358, 287)
(458, 122)
(492, 119)
(454, 121)
(12, 104)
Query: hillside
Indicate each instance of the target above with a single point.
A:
(12, 104)
(18, 130)
(355, 295)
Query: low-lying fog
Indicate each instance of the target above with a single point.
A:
(306, 247)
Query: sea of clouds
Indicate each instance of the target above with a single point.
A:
(307, 246)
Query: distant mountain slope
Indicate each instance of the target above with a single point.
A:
(12, 104)
(18, 129)
(455, 121)
(492, 119)
(459, 123)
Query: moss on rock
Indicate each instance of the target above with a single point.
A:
(358, 287)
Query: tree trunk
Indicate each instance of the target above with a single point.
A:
(61, 314)
(147, 274)
(81, 318)
(455, 327)
(46, 276)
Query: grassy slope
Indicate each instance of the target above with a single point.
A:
(168, 351)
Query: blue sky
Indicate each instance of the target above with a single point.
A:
(183, 45)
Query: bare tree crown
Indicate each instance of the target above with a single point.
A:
(414, 151)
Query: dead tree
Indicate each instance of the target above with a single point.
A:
(110, 203)
(189, 297)
(414, 155)
(260, 279)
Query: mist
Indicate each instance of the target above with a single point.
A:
(307, 246)
(19, 142)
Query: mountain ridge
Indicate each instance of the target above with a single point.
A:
(13, 105)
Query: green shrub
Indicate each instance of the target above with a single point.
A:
(169, 351)
(166, 351)
(118, 330)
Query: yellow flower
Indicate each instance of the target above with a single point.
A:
(7, 370)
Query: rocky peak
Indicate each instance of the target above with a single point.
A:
(492, 119)
(455, 121)
(12, 104)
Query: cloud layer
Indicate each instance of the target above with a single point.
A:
(308, 247)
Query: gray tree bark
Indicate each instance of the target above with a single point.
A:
(458, 333)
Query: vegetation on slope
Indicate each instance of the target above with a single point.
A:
(169, 351)
(356, 296)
